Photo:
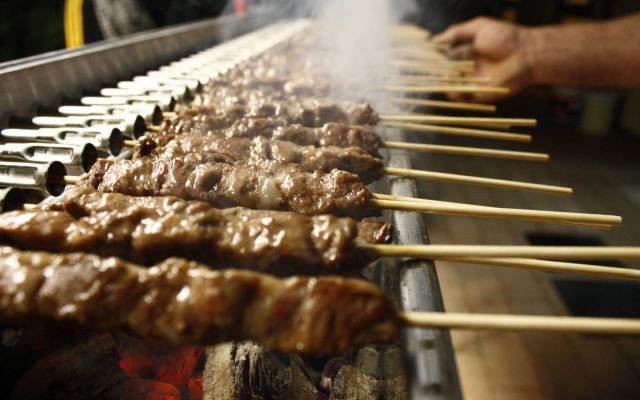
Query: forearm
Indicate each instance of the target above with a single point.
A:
(596, 54)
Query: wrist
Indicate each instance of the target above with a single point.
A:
(533, 43)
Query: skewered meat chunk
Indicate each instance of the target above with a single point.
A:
(305, 111)
(181, 302)
(256, 184)
(350, 159)
(146, 230)
(331, 134)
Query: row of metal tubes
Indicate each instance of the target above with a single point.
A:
(39, 159)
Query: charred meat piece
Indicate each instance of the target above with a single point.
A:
(256, 184)
(331, 134)
(181, 302)
(350, 159)
(306, 112)
(146, 230)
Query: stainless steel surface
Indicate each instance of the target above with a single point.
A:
(151, 113)
(44, 80)
(165, 102)
(131, 125)
(46, 178)
(105, 138)
(76, 158)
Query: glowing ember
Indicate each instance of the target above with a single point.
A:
(160, 373)
(138, 389)
(178, 367)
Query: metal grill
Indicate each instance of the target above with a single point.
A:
(129, 88)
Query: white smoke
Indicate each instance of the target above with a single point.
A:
(355, 41)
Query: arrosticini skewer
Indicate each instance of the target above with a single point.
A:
(459, 179)
(131, 125)
(47, 178)
(152, 114)
(108, 140)
(319, 315)
(263, 184)
(76, 158)
(307, 245)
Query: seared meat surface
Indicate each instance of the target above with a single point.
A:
(257, 184)
(350, 159)
(147, 230)
(181, 302)
(329, 134)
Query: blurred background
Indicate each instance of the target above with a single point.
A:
(30, 27)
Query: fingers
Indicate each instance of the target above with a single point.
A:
(512, 73)
(462, 33)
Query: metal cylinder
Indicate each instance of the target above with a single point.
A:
(48, 178)
(11, 199)
(131, 125)
(76, 158)
(152, 114)
(108, 140)
(166, 103)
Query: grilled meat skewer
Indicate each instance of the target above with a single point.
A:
(329, 134)
(350, 159)
(308, 111)
(180, 302)
(146, 230)
(199, 121)
(256, 184)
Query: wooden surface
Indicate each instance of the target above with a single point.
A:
(606, 177)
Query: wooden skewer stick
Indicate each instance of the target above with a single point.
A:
(497, 212)
(468, 151)
(614, 326)
(448, 251)
(71, 180)
(418, 79)
(452, 105)
(521, 122)
(398, 62)
(446, 89)
(382, 196)
(458, 131)
(479, 181)
(432, 65)
(129, 143)
(420, 53)
(169, 114)
(553, 266)
(437, 69)
(433, 80)
(420, 44)
(154, 128)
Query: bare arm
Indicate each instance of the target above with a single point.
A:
(591, 54)
(595, 54)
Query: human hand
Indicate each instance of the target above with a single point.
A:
(501, 51)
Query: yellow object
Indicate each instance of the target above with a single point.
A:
(73, 24)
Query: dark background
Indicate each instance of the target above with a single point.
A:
(29, 27)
